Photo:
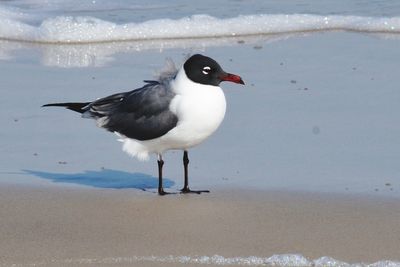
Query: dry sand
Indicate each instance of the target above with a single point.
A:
(65, 226)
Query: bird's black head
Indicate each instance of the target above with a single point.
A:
(205, 70)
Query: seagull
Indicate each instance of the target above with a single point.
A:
(177, 111)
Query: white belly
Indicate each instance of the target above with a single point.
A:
(200, 110)
(199, 116)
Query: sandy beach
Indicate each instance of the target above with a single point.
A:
(80, 227)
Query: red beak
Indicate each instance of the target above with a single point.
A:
(231, 78)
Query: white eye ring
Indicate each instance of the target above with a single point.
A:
(206, 69)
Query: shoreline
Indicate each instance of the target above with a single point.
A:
(76, 227)
(319, 114)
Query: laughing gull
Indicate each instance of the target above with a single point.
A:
(179, 110)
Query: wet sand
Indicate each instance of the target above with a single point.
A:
(63, 226)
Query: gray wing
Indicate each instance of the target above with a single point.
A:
(141, 114)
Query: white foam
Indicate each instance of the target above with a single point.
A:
(282, 260)
(84, 29)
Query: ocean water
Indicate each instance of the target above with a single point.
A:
(321, 74)
(177, 24)
(101, 21)
(295, 41)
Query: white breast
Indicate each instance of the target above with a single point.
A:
(200, 110)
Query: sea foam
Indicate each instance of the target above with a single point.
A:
(282, 260)
(85, 29)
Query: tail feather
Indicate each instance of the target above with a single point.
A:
(78, 106)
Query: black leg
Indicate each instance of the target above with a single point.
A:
(160, 162)
(185, 167)
(186, 188)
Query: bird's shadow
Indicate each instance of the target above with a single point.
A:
(105, 178)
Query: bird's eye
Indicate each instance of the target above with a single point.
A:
(206, 70)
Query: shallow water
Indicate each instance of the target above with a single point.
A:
(318, 113)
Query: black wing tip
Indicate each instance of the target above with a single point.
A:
(66, 105)
(54, 105)
(46, 105)
(78, 107)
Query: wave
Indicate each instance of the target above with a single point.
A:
(85, 29)
(101, 54)
(282, 260)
